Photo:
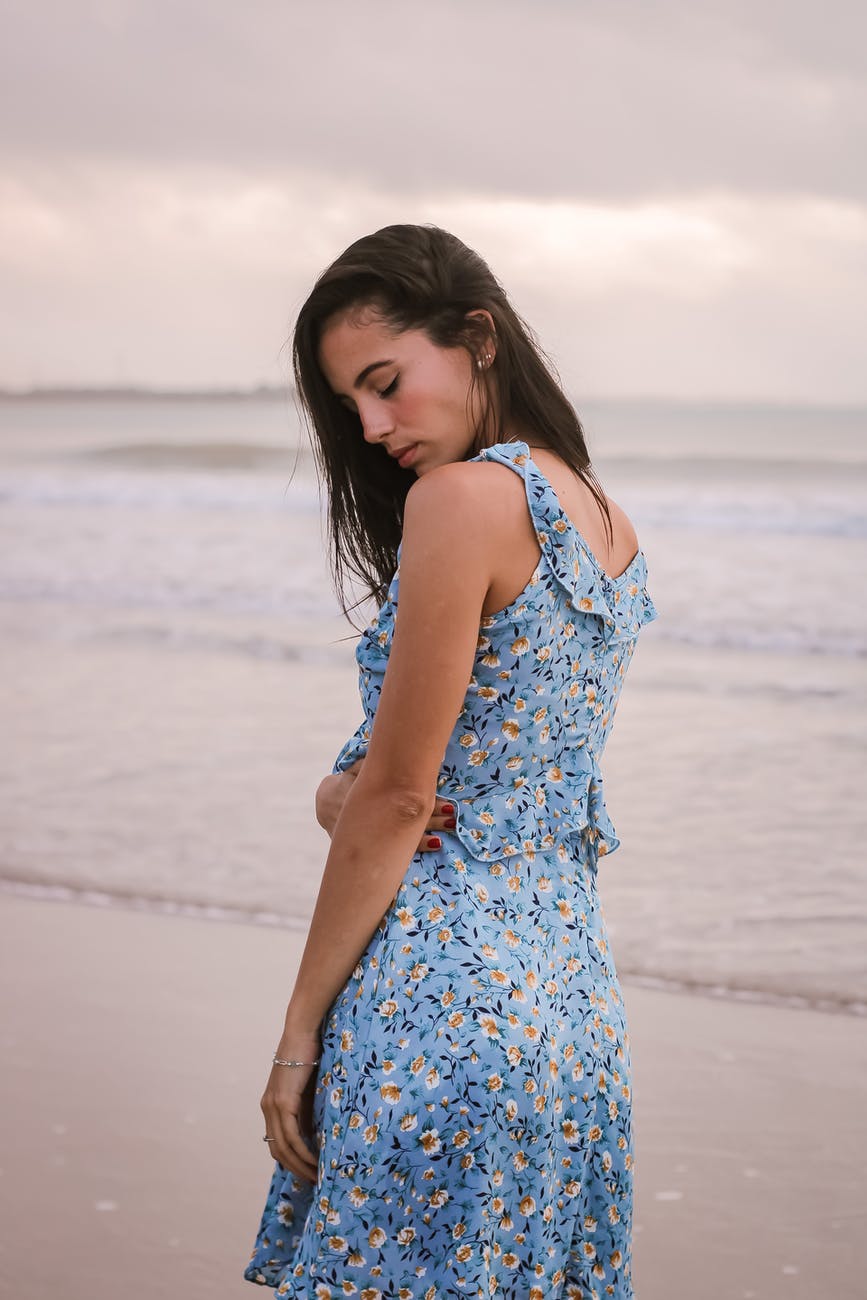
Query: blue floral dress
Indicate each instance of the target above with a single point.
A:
(472, 1106)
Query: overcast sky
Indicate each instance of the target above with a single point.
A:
(675, 194)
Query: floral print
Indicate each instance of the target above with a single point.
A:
(472, 1107)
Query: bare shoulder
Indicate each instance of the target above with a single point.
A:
(472, 493)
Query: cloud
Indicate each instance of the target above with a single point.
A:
(547, 100)
(195, 276)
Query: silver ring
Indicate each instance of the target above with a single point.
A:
(267, 1139)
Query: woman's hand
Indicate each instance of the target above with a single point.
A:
(287, 1105)
(333, 790)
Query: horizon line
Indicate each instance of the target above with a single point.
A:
(274, 392)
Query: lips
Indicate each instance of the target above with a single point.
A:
(403, 455)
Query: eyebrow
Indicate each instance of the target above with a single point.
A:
(375, 365)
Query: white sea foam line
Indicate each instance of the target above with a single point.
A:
(299, 925)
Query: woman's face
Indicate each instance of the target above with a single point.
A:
(414, 398)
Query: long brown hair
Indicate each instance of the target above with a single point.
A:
(419, 277)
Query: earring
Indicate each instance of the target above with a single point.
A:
(480, 365)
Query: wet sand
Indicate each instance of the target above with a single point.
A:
(135, 1048)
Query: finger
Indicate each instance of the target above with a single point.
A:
(284, 1151)
(429, 843)
(299, 1157)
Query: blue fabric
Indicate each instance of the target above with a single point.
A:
(472, 1107)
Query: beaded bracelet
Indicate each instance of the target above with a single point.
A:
(276, 1061)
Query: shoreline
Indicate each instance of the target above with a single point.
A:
(103, 900)
(135, 1048)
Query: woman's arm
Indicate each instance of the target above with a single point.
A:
(331, 795)
(447, 561)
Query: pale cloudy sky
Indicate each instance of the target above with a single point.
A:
(674, 193)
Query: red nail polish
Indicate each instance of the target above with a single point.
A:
(450, 823)
(434, 842)
(447, 809)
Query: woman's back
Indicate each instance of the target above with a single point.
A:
(522, 763)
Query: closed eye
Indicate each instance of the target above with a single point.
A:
(390, 390)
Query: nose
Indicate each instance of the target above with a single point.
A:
(376, 421)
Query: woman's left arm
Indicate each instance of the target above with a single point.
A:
(447, 561)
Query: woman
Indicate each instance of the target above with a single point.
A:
(449, 1104)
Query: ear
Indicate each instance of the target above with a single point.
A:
(487, 349)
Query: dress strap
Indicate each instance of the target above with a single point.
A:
(587, 586)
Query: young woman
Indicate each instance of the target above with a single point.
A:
(449, 1103)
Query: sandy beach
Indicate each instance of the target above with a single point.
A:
(135, 1049)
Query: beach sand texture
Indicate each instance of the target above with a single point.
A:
(135, 1048)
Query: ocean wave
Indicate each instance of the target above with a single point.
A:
(644, 978)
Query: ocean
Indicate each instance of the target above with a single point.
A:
(178, 677)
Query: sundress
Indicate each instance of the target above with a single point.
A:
(472, 1104)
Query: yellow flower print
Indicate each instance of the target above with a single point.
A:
(444, 935)
(613, 1214)
(598, 1270)
(371, 1293)
(520, 1161)
(390, 1093)
(376, 1237)
(438, 1197)
(489, 1026)
(601, 1082)
(432, 1077)
(573, 1187)
(615, 1259)
(514, 1054)
(371, 1133)
(463, 1253)
(418, 971)
(347, 1041)
(589, 1250)
(499, 977)
(406, 1236)
(324, 1292)
(417, 1064)
(519, 706)
(456, 1019)
(539, 1104)
(430, 1141)
(571, 1131)
(468, 1160)
(468, 740)
(435, 914)
(358, 1196)
(543, 653)
(337, 1243)
(406, 918)
(510, 939)
(555, 773)
(532, 1033)
(511, 1260)
(585, 603)
(447, 998)
(387, 1008)
(355, 1120)
(520, 645)
(478, 757)
(595, 1133)
(488, 693)
(564, 907)
(461, 1138)
(612, 1110)
(527, 1205)
(511, 1109)
(408, 1122)
(491, 660)
(514, 763)
(494, 1082)
(487, 818)
(510, 729)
